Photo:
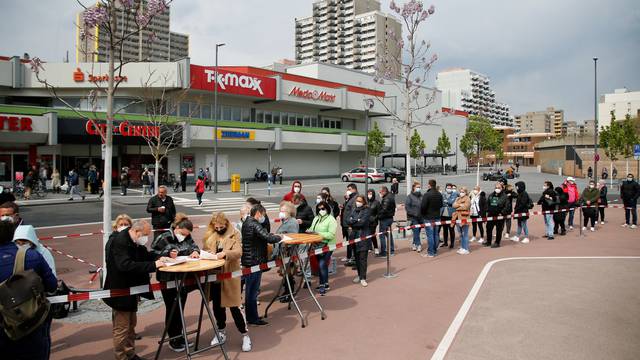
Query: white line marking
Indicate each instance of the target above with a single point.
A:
(456, 324)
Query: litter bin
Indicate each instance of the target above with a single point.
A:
(235, 182)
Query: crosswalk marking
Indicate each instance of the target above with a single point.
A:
(222, 204)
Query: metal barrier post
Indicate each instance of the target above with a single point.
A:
(388, 274)
(246, 188)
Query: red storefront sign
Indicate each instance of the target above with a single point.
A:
(312, 94)
(124, 129)
(231, 82)
(15, 123)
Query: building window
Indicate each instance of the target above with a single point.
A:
(235, 114)
(226, 113)
(206, 111)
(184, 109)
(299, 120)
(267, 117)
(276, 117)
(246, 115)
(259, 116)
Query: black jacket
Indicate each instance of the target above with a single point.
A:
(603, 196)
(162, 246)
(304, 213)
(497, 204)
(412, 206)
(562, 198)
(511, 195)
(128, 264)
(359, 223)
(629, 191)
(335, 207)
(548, 204)
(254, 242)
(374, 212)
(394, 188)
(387, 207)
(431, 204)
(523, 200)
(161, 220)
(348, 206)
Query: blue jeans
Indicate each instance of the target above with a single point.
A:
(464, 236)
(323, 267)
(251, 288)
(548, 222)
(416, 232)
(522, 227)
(572, 211)
(432, 239)
(385, 224)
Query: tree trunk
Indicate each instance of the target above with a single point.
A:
(478, 173)
(627, 172)
(611, 175)
(155, 175)
(375, 162)
(108, 154)
(407, 137)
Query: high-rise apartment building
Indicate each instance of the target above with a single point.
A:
(155, 44)
(467, 90)
(622, 102)
(545, 121)
(351, 33)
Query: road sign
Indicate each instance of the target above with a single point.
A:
(636, 151)
(596, 157)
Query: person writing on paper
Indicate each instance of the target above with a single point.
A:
(254, 252)
(325, 225)
(288, 225)
(174, 243)
(223, 240)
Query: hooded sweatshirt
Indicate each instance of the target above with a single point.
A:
(27, 232)
(523, 200)
(289, 196)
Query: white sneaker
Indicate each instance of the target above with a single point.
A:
(356, 280)
(464, 252)
(525, 240)
(363, 283)
(459, 251)
(584, 228)
(246, 343)
(419, 249)
(376, 251)
(515, 238)
(344, 259)
(481, 240)
(220, 339)
(593, 229)
(473, 239)
(506, 235)
(571, 227)
(413, 248)
(601, 222)
(625, 225)
(634, 226)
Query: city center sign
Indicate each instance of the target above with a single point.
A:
(232, 82)
(312, 94)
(124, 128)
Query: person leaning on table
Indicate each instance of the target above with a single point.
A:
(128, 264)
(224, 240)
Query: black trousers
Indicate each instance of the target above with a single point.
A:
(477, 226)
(558, 222)
(174, 325)
(589, 214)
(507, 225)
(374, 238)
(220, 313)
(345, 235)
(448, 232)
(361, 263)
(601, 213)
(499, 226)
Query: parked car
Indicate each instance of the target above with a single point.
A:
(358, 174)
(497, 175)
(391, 172)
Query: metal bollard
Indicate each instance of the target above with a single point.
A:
(388, 274)
(246, 188)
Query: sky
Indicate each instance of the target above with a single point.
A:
(537, 53)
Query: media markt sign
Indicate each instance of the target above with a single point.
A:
(314, 95)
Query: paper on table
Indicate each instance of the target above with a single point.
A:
(205, 255)
(286, 238)
(179, 260)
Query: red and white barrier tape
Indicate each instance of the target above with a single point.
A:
(142, 289)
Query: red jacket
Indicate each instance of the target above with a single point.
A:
(199, 186)
(572, 191)
(289, 196)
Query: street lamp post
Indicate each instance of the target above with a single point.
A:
(595, 117)
(456, 154)
(368, 104)
(215, 131)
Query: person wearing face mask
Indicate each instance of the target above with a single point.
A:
(523, 205)
(358, 222)
(347, 207)
(496, 206)
(560, 216)
(162, 210)
(325, 225)
(296, 188)
(629, 193)
(374, 214)
(478, 210)
(254, 252)
(463, 207)
(603, 202)
(10, 211)
(199, 189)
(128, 264)
(288, 225)
(385, 216)
(430, 211)
(25, 235)
(266, 224)
(335, 207)
(412, 207)
(548, 201)
(121, 223)
(304, 214)
(172, 244)
(589, 201)
(446, 212)
(573, 193)
(224, 240)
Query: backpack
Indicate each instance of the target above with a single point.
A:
(23, 302)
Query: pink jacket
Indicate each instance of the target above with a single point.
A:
(572, 191)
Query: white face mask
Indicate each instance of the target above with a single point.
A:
(122, 228)
(544, 188)
(7, 218)
(318, 200)
(629, 179)
(449, 191)
(463, 194)
(142, 240)
(282, 215)
(322, 212)
(349, 192)
(591, 186)
(296, 189)
(475, 192)
(359, 204)
(180, 237)
(498, 191)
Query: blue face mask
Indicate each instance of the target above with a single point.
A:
(261, 219)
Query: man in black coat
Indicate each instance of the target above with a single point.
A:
(430, 210)
(347, 207)
(128, 264)
(629, 193)
(254, 252)
(385, 215)
(162, 210)
(183, 180)
(497, 205)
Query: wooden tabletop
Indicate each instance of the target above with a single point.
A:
(193, 266)
(302, 239)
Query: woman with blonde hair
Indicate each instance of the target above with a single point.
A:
(121, 222)
(224, 240)
(462, 205)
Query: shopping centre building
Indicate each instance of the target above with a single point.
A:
(307, 119)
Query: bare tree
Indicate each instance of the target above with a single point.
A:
(119, 22)
(405, 64)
